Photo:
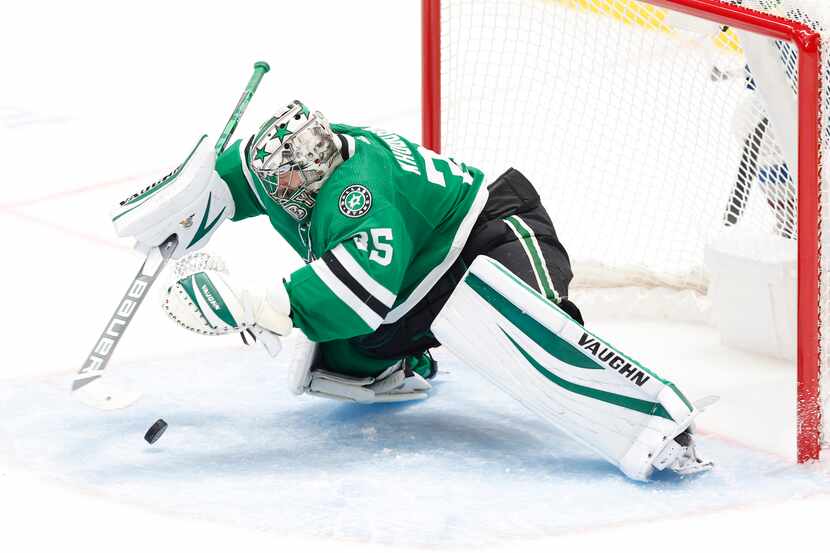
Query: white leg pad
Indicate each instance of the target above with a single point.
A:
(532, 350)
(308, 377)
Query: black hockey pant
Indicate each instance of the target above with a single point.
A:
(515, 229)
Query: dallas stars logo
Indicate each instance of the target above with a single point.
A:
(355, 201)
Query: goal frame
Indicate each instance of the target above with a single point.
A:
(808, 44)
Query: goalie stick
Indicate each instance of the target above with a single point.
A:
(87, 384)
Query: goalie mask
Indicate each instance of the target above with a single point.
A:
(293, 154)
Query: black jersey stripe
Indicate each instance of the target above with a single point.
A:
(339, 271)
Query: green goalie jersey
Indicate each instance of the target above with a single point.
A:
(387, 224)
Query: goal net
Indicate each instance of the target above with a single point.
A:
(652, 130)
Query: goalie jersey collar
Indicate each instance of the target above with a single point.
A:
(347, 146)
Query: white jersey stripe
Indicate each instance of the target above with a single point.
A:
(372, 286)
(345, 295)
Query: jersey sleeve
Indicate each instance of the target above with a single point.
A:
(232, 167)
(350, 289)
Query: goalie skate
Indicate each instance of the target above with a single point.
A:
(680, 456)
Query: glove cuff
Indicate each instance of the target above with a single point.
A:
(274, 311)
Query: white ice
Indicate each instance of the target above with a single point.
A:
(100, 98)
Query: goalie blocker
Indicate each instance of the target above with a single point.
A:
(534, 351)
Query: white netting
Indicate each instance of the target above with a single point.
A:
(645, 130)
(196, 262)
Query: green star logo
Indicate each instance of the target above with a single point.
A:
(355, 201)
(281, 133)
(303, 109)
(261, 154)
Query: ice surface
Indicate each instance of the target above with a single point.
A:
(466, 467)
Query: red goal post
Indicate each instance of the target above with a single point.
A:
(808, 44)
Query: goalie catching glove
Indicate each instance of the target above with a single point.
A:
(204, 299)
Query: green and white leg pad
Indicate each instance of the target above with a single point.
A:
(532, 350)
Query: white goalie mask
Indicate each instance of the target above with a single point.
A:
(293, 154)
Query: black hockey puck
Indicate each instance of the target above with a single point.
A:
(155, 431)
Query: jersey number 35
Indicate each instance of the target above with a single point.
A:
(381, 247)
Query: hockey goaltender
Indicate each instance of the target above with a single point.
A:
(405, 250)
